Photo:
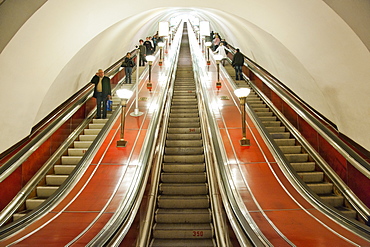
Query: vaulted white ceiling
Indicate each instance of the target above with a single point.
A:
(306, 44)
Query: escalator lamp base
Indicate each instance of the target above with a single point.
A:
(245, 142)
(121, 143)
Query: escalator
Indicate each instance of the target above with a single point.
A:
(304, 165)
(57, 168)
(183, 216)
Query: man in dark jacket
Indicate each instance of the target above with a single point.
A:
(142, 49)
(102, 92)
(237, 63)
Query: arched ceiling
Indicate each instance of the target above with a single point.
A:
(305, 44)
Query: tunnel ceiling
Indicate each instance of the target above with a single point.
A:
(305, 44)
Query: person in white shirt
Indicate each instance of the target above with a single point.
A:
(221, 50)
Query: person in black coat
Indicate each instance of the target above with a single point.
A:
(237, 63)
(102, 92)
(142, 49)
(128, 64)
(149, 46)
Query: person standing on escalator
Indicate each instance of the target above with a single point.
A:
(237, 63)
(102, 92)
(128, 64)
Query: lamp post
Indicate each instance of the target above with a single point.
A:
(136, 112)
(124, 95)
(218, 58)
(150, 60)
(242, 94)
(161, 56)
(208, 45)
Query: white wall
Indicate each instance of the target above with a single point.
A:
(303, 43)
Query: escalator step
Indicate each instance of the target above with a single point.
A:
(182, 243)
(183, 216)
(183, 189)
(170, 201)
(183, 168)
(192, 231)
(199, 177)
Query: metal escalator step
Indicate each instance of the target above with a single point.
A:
(285, 142)
(183, 150)
(264, 113)
(71, 160)
(76, 151)
(64, 169)
(82, 144)
(180, 85)
(87, 137)
(349, 213)
(184, 103)
(183, 243)
(180, 110)
(19, 215)
(183, 130)
(194, 231)
(291, 149)
(45, 191)
(174, 177)
(268, 119)
(184, 125)
(170, 201)
(275, 129)
(321, 188)
(176, 216)
(196, 158)
(102, 121)
(184, 136)
(272, 123)
(96, 126)
(183, 189)
(263, 109)
(184, 115)
(282, 135)
(295, 158)
(184, 143)
(259, 104)
(304, 166)
(32, 203)
(193, 96)
(184, 93)
(179, 106)
(333, 200)
(91, 131)
(182, 99)
(183, 168)
(184, 120)
(55, 179)
(311, 177)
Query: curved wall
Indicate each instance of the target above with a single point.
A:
(305, 44)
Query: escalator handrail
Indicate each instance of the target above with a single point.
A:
(347, 152)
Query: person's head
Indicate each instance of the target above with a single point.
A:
(141, 41)
(128, 54)
(100, 73)
(237, 50)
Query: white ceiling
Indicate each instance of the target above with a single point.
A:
(305, 44)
